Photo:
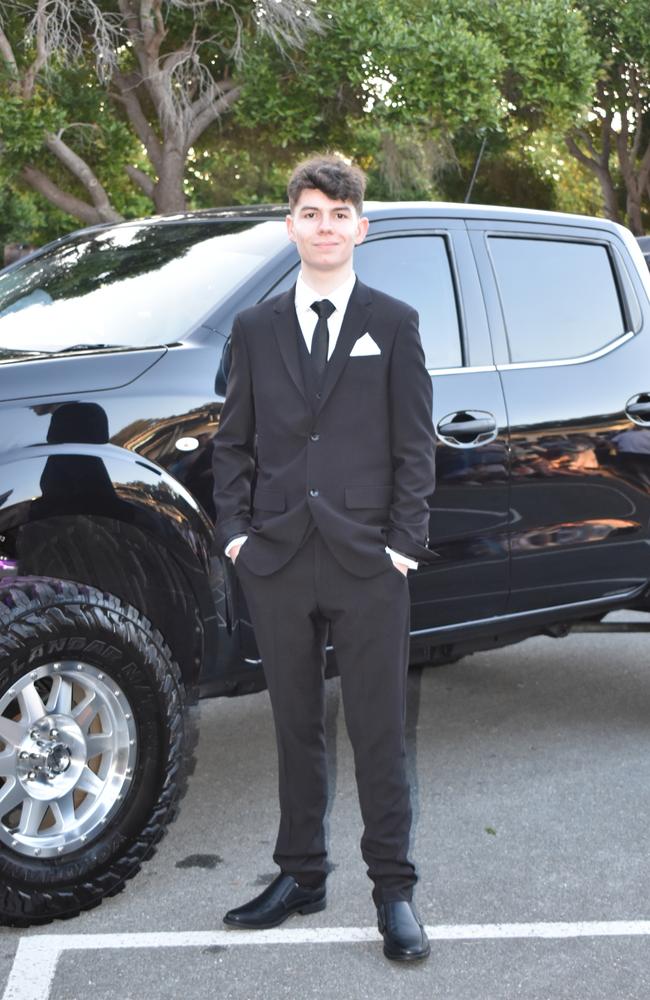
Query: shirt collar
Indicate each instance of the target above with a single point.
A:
(339, 297)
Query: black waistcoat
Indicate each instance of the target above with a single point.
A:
(309, 379)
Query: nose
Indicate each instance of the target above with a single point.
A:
(325, 224)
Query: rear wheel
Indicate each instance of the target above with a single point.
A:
(93, 740)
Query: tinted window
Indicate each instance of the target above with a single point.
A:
(136, 285)
(559, 298)
(416, 269)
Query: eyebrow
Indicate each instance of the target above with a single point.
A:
(315, 208)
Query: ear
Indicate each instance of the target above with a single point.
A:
(289, 221)
(362, 229)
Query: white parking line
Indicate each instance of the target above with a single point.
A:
(36, 958)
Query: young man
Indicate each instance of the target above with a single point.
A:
(328, 413)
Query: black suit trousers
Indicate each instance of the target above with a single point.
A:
(292, 611)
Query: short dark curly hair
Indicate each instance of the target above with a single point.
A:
(331, 175)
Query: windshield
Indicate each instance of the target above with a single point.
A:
(139, 285)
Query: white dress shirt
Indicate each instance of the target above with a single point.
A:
(307, 320)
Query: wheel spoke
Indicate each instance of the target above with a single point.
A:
(31, 703)
(63, 810)
(12, 794)
(89, 782)
(98, 743)
(60, 700)
(31, 817)
(84, 713)
(12, 733)
(80, 729)
(8, 760)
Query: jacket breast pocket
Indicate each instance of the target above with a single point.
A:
(271, 500)
(373, 497)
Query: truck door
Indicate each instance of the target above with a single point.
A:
(429, 264)
(566, 321)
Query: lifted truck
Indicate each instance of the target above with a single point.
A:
(116, 611)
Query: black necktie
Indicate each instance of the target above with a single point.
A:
(320, 340)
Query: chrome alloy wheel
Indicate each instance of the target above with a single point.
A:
(68, 746)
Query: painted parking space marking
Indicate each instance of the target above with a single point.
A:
(37, 957)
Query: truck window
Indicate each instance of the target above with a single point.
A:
(559, 297)
(416, 269)
(136, 285)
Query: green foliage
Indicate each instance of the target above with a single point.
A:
(443, 65)
(406, 87)
(574, 189)
(238, 170)
(22, 125)
(70, 102)
(26, 218)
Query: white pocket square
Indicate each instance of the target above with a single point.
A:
(364, 346)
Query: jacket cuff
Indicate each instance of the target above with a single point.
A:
(227, 530)
(403, 543)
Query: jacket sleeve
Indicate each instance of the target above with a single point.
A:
(233, 454)
(412, 443)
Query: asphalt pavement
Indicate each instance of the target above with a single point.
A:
(529, 770)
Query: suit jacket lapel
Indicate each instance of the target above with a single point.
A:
(284, 326)
(354, 325)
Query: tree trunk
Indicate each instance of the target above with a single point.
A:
(610, 199)
(168, 193)
(599, 164)
(634, 219)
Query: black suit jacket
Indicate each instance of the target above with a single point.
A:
(359, 461)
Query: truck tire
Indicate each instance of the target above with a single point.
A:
(94, 732)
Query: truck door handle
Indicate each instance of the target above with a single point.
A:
(467, 427)
(638, 408)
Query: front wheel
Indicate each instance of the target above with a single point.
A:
(93, 736)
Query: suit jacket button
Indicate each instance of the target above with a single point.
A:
(314, 437)
(313, 493)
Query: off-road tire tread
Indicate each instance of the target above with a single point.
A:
(33, 606)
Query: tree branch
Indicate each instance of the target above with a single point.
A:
(644, 169)
(587, 161)
(129, 10)
(211, 113)
(80, 169)
(29, 79)
(66, 202)
(152, 26)
(627, 169)
(179, 55)
(217, 89)
(7, 54)
(144, 182)
(146, 48)
(128, 96)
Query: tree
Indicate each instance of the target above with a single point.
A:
(170, 65)
(617, 127)
(212, 101)
(411, 88)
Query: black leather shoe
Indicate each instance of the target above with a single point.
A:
(278, 901)
(404, 936)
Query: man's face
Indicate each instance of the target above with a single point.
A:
(324, 230)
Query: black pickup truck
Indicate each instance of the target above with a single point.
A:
(116, 612)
